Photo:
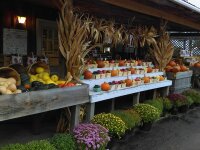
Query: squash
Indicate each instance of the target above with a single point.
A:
(105, 86)
(3, 79)
(8, 92)
(3, 90)
(12, 80)
(12, 87)
(18, 91)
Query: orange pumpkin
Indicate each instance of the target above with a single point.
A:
(146, 79)
(139, 62)
(183, 68)
(132, 70)
(197, 65)
(161, 78)
(172, 63)
(121, 63)
(114, 73)
(128, 82)
(87, 74)
(176, 69)
(100, 64)
(149, 70)
(105, 86)
(168, 68)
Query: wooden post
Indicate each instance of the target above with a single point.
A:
(113, 104)
(90, 111)
(165, 91)
(154, 93)
(136, 98)
(75, 116)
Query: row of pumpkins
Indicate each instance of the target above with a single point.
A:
(106, 86)
(172, 66)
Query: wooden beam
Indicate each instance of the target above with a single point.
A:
(144, 9)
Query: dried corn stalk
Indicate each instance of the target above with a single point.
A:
(79, 34)
(143, 35)
(162, 50)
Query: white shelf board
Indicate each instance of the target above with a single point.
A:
(93, 82)
(111, 68)
(101, 96)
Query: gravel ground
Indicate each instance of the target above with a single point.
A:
(175, 133)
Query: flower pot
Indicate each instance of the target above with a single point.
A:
(183, 109)
(146, 126)
(174, 111)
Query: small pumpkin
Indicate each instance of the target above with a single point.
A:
(132, 70)
(88, 74)
(197, 64)
(183, 68)
(121, 63)
(105, 86)
(100, 64)
(176, 69)
(114, 73)
(146, 79)
(161, 78)
(149, 70)
(128, 82)
(172, 63)
(168, 68)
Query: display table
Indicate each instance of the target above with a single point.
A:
(29, 103)
(135, 90)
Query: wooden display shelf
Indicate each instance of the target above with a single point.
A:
(100, 96)
(93, 82)
(29, 103)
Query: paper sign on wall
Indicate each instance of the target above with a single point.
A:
(14, 41)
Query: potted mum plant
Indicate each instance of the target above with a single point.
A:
(114, 124)
(167, 104)
(179, 102)
(194, 95)
(91, 136)
(148, 114)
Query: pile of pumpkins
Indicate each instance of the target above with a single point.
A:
(8, 86)
(172, 66)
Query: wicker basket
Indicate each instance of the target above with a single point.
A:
(32, 68)
(7, 72)
(19, 68)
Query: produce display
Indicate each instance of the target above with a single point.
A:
(175, 67)
(117, 85)
(115, 63)
(38, 77)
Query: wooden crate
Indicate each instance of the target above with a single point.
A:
(180, 81)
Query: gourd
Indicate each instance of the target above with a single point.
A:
(3, 90)
(12, 87)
